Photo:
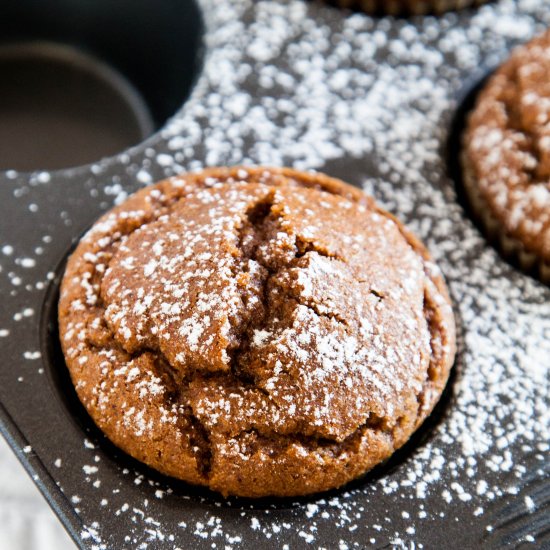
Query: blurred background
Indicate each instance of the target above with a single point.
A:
(26, 520)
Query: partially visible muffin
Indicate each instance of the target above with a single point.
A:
(257, 331)
(404, 7)
(506, 156)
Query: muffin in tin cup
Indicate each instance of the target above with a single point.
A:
(506, 156)
(261, 332)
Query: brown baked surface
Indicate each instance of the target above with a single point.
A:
(257, 331)
(414, 7)
(507, 147)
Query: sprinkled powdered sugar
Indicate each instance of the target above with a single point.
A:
(369, 100)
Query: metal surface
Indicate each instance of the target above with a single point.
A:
(447, 487)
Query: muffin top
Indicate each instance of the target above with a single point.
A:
(507, 145)
(261, 332)
(410, 7)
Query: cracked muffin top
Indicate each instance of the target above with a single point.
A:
(412, 7)
(257, 331)
(507, 147)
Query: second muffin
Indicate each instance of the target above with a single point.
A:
(506, 156)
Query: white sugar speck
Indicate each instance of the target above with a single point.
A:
(27, 263)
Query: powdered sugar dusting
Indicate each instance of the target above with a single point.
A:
(370, 100)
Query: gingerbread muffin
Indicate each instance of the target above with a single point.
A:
(407, 7)
(506, 157)
(256, 331)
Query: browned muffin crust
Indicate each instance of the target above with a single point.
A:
(257, 331)
(412, 7)
(507, 152)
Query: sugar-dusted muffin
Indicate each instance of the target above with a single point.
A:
(256, 331)
(506, 156)
(410, 7)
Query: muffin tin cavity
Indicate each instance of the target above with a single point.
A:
(79, 82)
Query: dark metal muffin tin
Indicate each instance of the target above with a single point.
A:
(370, 101)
